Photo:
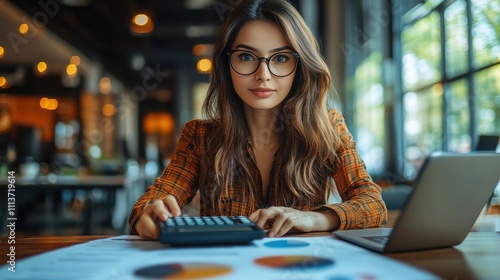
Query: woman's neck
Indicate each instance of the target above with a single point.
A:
(262, 125)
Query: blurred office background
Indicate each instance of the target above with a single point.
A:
(93, 94)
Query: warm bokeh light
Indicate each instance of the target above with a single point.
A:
(41, 67)
(203, 49)
(44, 103)
(108, 110)
(49, 103)
(142, 24)
(166, 123)
(71, 70)
(204, 65)
(2, 51)
(140, 19)
(162, 123)
(53, 104)
(23, 28)
(3, 82)
(199, 49)
(105, 85)
(437, 89)
(75, 60)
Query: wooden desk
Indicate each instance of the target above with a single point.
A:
(476, 258)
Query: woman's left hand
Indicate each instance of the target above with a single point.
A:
(282, 219)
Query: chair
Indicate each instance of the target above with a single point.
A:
(487, 143)
(395, 196)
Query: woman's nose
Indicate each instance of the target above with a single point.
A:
(263, 72)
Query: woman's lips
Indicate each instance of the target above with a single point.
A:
(262, 92)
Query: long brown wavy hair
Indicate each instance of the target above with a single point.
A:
(305, 162)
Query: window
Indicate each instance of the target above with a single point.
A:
(487, 100)
(458, 117)
(422, 53)
(369, 113)
(422, 126)
(486, 31)
(450, 88)
(441, 89)
(456, 44)
(368, 96)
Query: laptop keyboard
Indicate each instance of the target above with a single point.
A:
(382, 239)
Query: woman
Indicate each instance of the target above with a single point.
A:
(270, 148)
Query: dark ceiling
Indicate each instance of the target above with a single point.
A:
(100, 30)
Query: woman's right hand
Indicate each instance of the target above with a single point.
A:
(157, 210)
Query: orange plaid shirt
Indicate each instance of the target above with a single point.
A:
(362, 205)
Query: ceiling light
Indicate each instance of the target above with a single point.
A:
(3, 82)
(105, 85)
(142, 24)
(204, 65)
(44, 102)
(41, 67)
(52, 105)
(71, 70)
(141, 19)
(75, 60)
(23, 28)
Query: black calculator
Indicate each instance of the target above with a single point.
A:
(209, 230)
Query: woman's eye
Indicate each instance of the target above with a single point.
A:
(281, 58)
(246, 57)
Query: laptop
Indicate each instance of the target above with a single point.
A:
(449, 193)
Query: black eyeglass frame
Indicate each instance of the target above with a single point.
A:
(266, 59)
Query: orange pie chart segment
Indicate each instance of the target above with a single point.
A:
(298, 262)
(183, 271)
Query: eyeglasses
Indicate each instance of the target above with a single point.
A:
(279, 64)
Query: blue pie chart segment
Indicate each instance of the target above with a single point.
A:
(292, 243)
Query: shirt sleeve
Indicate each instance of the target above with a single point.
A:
(362, 205)
(179, 178)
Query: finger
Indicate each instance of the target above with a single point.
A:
(254, 216)
(159, 210)
(172, 205)
(266, 216)
(285, 228)
(276, 225)
(147, 227)
(277, 228)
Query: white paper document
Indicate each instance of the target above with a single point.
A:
(129, 257)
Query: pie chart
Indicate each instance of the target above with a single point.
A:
(192, 270)
(286, 244)
(295, 262)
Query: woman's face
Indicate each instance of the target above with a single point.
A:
(261, 90)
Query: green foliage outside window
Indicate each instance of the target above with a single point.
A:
(432, 87)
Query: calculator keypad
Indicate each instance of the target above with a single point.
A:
(209, 230)
(207, 221)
